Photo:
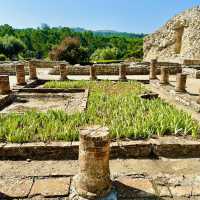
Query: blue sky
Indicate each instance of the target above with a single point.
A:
(121, 15)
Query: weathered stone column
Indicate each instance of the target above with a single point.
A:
(20, 73)
(63, 72)
(4, 84)
(93, 72)
(93, 180)
(122, 72)
(32, 71)
(164, 76)
(153, 69)
(181, 82)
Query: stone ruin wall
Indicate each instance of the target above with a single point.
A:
(177, 40)
(102, 69)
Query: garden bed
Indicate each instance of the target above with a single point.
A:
(116, 105)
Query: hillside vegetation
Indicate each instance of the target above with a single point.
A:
(39, 43)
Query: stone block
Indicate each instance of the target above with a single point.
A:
(51, 187)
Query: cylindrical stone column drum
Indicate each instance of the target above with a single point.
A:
(32, 71)
(164, 76)
(63, 72)
(181, 82)
(4, 84)
(153, 69)
(93, 72)
(93, 180)
(20, 73)
(122, 72)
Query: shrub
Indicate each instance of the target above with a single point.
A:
(105, 54)
(69, 50)
(2, 57)
(11, 46)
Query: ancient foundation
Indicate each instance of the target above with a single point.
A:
(32, 71)
(181, 82)
(4, 84)
(63, 72)
(93, 73)
(153, 69)
(122, 72)
(93, 180)
(20, 73)
(164, 77)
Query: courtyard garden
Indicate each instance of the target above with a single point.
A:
(116, 105)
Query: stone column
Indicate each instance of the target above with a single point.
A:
(122, 72)
(32, 71)
(20, 73)
(4, 84)
(63, 72)
(93, 75)
(164, 77)
(93, 180)
(153, 69)
(181, 82)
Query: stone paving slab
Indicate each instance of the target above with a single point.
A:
(51, 187)
(15, 187)
(134, 179)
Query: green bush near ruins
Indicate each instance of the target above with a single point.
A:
(115, 105)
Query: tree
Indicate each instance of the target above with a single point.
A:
(69, 50)
(105, 54)
(11, 46)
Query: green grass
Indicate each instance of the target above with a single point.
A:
(115, 105)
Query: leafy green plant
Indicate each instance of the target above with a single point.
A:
(116, 105)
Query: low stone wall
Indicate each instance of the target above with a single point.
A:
(114, 70)
(169, 147)
(102, 69)
(191, 62)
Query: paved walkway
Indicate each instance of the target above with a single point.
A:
(132, 179)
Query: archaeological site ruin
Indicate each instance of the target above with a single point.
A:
(177, 40)
(125, 130)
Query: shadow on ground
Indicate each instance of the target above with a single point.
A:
(129, 193)
(3, 196)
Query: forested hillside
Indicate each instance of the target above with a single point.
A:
(39, 43)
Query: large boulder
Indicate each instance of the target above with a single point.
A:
(177, 40)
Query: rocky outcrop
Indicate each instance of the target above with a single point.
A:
(178, 39)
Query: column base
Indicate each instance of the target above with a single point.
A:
(180, 91)
(164, 83)
(124, 79)
(6, 93)
(110, 194)
(93, 79)
(64, 79)
(153, 78)
(77, 193)
(21, 84)
(33, 79)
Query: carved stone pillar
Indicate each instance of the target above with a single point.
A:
(181, 82)
(153, 69)
(93, 180)
(32, 71)
(164, 76)
(93, 72)
(63, 72)
(20, 73)
(4, 84)
(122, 72)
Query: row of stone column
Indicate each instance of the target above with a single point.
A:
(122, 72)
(181, 78)
(20, 76)
(93, 76)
